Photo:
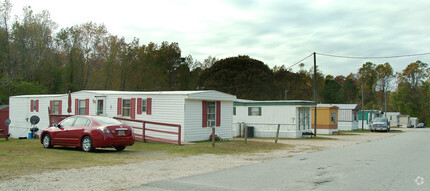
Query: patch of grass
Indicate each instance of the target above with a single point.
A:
(22, 157)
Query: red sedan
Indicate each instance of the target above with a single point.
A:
(89, 132)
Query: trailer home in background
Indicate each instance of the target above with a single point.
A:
(347, 119)
(366, 117)
(327, 119)
(393, 118)
(293, 117)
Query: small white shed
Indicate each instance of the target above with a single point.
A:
(293, 116)
(404, 121)
(195, 111)
(347, 116)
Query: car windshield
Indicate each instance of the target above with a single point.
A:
(380, 120)
(106, 121)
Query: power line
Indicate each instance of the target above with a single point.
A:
(373, 57)
(299, 61)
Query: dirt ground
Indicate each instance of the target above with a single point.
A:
(122, 177)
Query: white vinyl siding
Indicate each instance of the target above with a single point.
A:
(193, 121)
(167, 107)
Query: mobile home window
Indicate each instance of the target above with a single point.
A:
(100, 107)
(82, 107)
(144, 105)
(34, 105)
(126, 104)
(303, 121)
(211, 114)
(56, 107)
(254, 111)
(333, 116)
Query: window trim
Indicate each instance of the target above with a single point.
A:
(80, 107)
(252, 112)
(209, 121)
(56, 108)
(123, 108)
(333, 116)
(143, 108)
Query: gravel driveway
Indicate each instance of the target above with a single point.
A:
(121, 177)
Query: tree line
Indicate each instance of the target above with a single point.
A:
(36, 60)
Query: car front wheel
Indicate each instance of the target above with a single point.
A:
(46, 141)
(119, 148)
(87, 144)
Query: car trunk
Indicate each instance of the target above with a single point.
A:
(120, 130)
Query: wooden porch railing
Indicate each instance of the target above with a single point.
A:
(145, 138)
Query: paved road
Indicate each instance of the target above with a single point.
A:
(400, 162)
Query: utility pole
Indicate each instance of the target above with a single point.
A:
(315, 94)
(385, 100)
(286, 94)
(362, 106)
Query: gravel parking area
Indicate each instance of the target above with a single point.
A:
(122, 177)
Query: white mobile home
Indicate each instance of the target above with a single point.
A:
(404, 121)
(195, 111)
(347, 116)
(366, 117)
(393, 118)
(413, 121)
(294, 117)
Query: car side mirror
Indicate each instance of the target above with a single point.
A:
(57, 125)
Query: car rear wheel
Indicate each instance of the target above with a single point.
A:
(46, 141)
(119, 148)
(87, 144)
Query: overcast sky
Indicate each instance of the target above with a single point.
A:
(277, 32)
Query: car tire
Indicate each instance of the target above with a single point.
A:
(46, 141)
(87, 144)
(119, 148)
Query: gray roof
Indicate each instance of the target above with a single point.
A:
(243, 102)
(341, 106)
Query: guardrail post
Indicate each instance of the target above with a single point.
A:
(213, 136)
(246, 134)
(277, 133)
(143, 132)
(179, 135)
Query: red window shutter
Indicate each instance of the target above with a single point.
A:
(51, 106)
(133, 108)
(119, 106)
(218, 113)
(60, 107)
(76, 107)
(204, 113)
(37, 105)
(87, 106)
(31, 105)
(149, 106)
(139, 105)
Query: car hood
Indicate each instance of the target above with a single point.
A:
(379, 123)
